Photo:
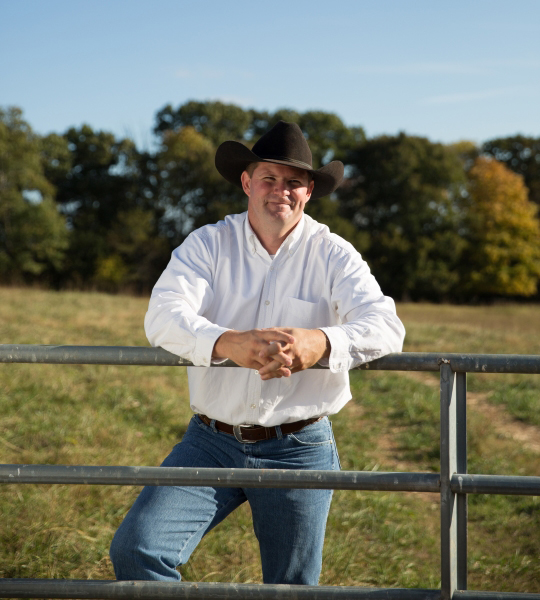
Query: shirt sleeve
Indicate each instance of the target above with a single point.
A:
(370, 327)
(181, 295)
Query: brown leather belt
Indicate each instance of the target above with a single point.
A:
(255, 433)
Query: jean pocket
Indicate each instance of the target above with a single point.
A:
(317, 434)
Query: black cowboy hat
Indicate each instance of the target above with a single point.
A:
(284, 144)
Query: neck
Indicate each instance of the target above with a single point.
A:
(271, 240)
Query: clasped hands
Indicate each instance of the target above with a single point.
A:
(274, 352)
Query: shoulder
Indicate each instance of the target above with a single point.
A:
(231, 227)
(207, 243)
(341, 259)
(320, 237)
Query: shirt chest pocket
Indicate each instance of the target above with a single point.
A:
(300, 313)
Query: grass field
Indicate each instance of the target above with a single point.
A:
(106, 415)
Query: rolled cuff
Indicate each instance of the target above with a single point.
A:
(340, 354)
(204, 345)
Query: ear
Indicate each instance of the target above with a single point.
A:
(310, 189)
(246, 182)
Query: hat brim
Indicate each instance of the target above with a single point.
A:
(232, 159)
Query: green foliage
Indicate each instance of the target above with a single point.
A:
(403, 191)
(191, 189)
(113, 217)
(33, 236)
(419, 212)
(216, 121)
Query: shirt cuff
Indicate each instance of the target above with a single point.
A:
(204, 346)
(340, 357)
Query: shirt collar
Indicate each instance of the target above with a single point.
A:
(290, 245)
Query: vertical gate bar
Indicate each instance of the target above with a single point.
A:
(448, 466)
(461, 463)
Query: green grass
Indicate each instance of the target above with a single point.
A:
(106, 415)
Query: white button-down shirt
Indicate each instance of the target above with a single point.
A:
(222, 278)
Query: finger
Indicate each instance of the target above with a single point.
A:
(274, 366)
(283, 372)
(282, 360)
(276, 351)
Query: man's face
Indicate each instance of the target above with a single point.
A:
(277, 196)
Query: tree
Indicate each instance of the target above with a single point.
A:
(403, 193)
(521, 154)
(191, 191)
(216, 121)
(502, 233)
(329, 138)
(107, 191)
(33, 235)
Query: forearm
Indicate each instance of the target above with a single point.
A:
(176, 328)
(369, 334)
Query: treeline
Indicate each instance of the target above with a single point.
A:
(436, 222)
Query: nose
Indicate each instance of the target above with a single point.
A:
(281, 188)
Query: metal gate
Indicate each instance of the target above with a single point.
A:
(453, 482)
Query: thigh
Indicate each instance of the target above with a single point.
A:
(290, 523)
(169, 521)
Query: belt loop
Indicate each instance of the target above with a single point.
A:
(279, 433)
(213, 425)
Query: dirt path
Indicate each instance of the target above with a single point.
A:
(504, 425)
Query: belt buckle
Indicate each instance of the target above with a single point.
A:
(237, 430)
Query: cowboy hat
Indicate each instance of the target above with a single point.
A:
(284, 144)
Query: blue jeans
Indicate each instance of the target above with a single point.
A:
(166, 523)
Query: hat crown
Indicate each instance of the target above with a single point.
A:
(285, 141)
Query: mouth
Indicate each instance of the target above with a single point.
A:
(281, 202)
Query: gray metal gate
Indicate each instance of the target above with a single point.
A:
(453, 482)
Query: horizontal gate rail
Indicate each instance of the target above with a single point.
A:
(495, 484)
(142, 356)
(35, 588)
(453, 483)
(256, 478)
(478, 595)
(274, 478)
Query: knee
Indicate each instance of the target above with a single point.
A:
(136, 555)
(122, 552)
(128, 558)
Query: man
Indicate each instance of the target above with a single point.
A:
(276, 292)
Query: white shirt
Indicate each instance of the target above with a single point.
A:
(222, 278)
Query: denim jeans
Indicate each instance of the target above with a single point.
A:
(166, 523)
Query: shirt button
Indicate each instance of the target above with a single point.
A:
(256, 372)
(253, 406)
(267, 302)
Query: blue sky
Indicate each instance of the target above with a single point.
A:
(446, 70)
